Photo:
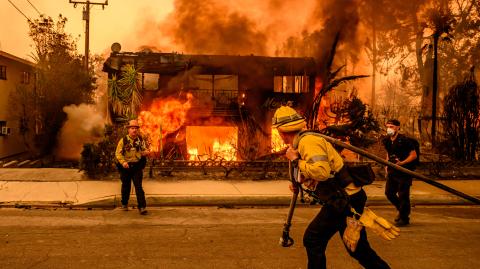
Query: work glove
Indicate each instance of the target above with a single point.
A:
(351, 235)
(379, 225)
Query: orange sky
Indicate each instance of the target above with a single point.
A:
(113, 24)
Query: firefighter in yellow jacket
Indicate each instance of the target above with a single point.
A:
(318, 164)
(131, 155)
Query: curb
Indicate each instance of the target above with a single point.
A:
(112, 202)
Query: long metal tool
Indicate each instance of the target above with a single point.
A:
(399, 168)
(286, 240)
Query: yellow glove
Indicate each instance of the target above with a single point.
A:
(379, 225)
(351, 235)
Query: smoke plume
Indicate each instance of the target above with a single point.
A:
(279, 28)
(84, 125)
(207, 27)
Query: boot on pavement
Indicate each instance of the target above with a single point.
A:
(143, 211)
(402, 222)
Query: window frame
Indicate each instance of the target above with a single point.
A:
(3, 123)
(3, 72)
(25, 79)
(291, 84)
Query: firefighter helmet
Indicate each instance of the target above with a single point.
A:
(133, 123)
(286, 119)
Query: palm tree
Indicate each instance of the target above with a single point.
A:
(441, 21)
(329, 80)
(124, 94)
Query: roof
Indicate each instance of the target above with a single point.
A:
(173, 63)
(15, 58)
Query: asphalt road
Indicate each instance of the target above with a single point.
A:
(209, 237)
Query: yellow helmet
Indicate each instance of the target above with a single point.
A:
(286, 119)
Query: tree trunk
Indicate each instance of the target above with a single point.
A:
(434, 88)
(374, 63)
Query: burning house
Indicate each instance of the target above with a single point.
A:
(210, 106)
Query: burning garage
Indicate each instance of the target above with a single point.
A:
(199, 107)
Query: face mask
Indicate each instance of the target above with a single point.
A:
(390, 132)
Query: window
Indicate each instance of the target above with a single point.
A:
(25, 78)
(290, 84)
(150, 81)
(223, 88)
(3, 126)
(3, 72)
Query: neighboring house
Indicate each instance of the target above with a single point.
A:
(16, 75)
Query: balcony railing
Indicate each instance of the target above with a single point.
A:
(221, 97)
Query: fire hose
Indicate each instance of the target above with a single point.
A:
(401, 169)
(287, 241)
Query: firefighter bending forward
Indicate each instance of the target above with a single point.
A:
(317, 163)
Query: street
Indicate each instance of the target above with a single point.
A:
(211, 237)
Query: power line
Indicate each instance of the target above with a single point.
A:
(28, 19)
(86, 18)
(34, 7)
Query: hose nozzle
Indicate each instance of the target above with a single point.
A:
(286, 241)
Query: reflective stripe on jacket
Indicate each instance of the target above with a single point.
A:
(319, 159)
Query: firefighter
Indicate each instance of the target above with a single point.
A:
(131, 155)
(318, 163)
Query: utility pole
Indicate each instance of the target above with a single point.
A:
(86, 18)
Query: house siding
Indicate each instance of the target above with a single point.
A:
(15, 142)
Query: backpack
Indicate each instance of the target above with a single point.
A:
(416, 145)
(359, 174)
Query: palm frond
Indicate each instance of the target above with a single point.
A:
(125, 93)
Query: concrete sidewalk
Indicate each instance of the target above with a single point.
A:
(41, 187)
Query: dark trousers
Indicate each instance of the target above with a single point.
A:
(135, 174)
(329, 221)
(397, 190)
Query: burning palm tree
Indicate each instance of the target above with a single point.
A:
(326, 83)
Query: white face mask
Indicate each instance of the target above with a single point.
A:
(390, 132)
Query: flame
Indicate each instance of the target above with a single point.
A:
(193, 153)
(212, 142)
(164, 116)
(277, 141)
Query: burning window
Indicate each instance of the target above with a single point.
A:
(290, 84)
(212, 142)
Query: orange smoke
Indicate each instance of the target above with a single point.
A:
(211, 27)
